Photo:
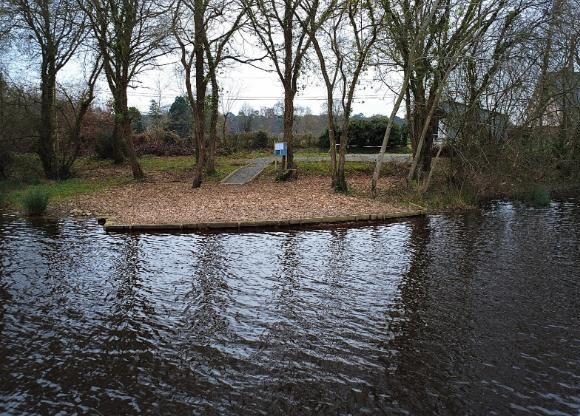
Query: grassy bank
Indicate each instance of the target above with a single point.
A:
(440, 197)
(91, 175)
(96, 176)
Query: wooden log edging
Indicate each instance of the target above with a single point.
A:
(111, 226)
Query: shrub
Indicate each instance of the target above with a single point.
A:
(245, 141)
(537, 196)
(105, 148)
(24, 168)
(5, 161)
(160, 142)
(369, 132)
(35, 201)
(304, 141)
(260, 140)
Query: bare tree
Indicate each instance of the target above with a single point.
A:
(285, 42)
(453, 27)
(395, 37)
(18, 119)
(478, 87)
(226, 105)
(56, 30)
(223, 23)
(343, 36)
(130, 35)
(73, 110)
(202, 49)
(554, 102)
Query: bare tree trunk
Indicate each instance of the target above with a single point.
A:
(118, 139)
(329, 102)
(212, 141)
(341, 185)
(381, 155)
(200, 92)
(201, 155)
(421, 146)
(428, 145)
(289, 125)
(75, 131)
(122, 133)
(542, 100)
(419, 111)
(428, 180)
(332, 140)
(47, 133)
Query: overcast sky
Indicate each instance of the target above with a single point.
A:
(246, 84)
(242, 84)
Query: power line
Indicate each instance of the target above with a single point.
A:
(231, 98)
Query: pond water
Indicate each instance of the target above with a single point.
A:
(449, 314)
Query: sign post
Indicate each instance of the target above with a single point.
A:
(281, 149)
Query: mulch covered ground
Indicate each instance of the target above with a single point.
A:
(167, 200)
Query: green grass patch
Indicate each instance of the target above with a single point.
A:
(247, 154)
(180, 164)
(318, 168)
(34, 201)
(436, 199)
(85, 164)
(405, 150)
(311, 152)
(167, 163)
(323, 168)
(15, 192)
(225, 166)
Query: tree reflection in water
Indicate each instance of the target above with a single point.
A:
(447, 314)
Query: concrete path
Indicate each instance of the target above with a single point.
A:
(246, 173)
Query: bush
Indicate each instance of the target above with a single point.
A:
(369, 132)
(5, 161)
(160, 142)
(260, 140)
(35, 201)
(537, 196)
(105, 148)
(246, 141)
(3, 195)
(305, 141)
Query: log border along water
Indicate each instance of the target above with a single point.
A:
(308, 222)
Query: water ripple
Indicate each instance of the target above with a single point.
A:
(463, 313)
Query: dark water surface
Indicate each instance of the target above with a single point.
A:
(477, 313)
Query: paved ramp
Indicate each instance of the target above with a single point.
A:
(247, 173)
